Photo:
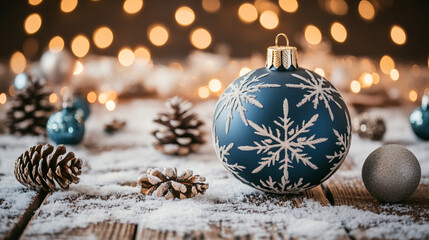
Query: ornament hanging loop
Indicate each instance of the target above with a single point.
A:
(283, 57)
(281, 35)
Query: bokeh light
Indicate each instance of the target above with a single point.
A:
(413, 95)
(17, 62)
(103, 37)
(338, 32)
(111, 95)
(215, 85)
(158, 34)
(68, 5)
(366, 10)
(337, 7)
(247, 13)
(110, 105)
(394, 74)
(375, 78)
(185, 16)
(133, 6)
(355, 86)
(313, 35)
(32, 23)
(142, 54)
(80, 46)
(64, 90)
(398, 35)
(203, 92)
(244, 70)
(211, 5)
(269, 19)
(53, 98)
(78, 68)
(201, 38)
(320, 71)
(366, 80)
(102, 98)
(34, 2)
(91, 97)
(56, 44)
(3, 98)
(289, 6)
(387, 64)
(126, 57)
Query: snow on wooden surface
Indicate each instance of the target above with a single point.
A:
(107, 192)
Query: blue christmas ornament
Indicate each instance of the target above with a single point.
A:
(66, 127)
(419, 118)
(281, 128)
(82, 107)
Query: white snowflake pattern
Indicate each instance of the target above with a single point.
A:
(292, 143)
(343, 140)
(316, 90)
(222, 152)
(284, 186)
(240, 93)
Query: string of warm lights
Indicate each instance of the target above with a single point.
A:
(158, 34)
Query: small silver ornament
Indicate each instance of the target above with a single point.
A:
(369, 126)
(391, 173)
(57, 67)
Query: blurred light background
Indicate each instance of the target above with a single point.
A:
(172, 29)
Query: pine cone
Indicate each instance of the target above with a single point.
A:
(30, 109)
(170, 185)
(180, 134)
(41, 167)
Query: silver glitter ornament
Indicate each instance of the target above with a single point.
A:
(391, 173)
(369, 126)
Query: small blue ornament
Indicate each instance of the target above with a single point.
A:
(419, 118)
(281, 128)
(82, 107)
(66, 127)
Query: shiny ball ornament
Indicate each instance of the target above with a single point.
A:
(391, 173)
(82, 107)
(57, 67)
(419, 119)
(281, 128)
(66, 126)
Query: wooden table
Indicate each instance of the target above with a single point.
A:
(337, 191)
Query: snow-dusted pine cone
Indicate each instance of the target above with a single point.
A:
(30, 109)
(181, 132)
(169, 185)
(46, 167)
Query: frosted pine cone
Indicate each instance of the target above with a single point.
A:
(30, 109)
(45, 167)
(169, 185)
(180, 134)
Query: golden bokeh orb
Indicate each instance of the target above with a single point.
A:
(103, 37)
(185, 16)
(201, 38)
(80, 45)
(158, 34)
(312, 35)
(32, 23)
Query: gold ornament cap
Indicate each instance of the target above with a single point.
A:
(282, 58)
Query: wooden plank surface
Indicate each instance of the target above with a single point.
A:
(21, 220)
(352, 192)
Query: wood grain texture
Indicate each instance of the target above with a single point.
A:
(22, 220)
(222, 231)
(352, 192)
